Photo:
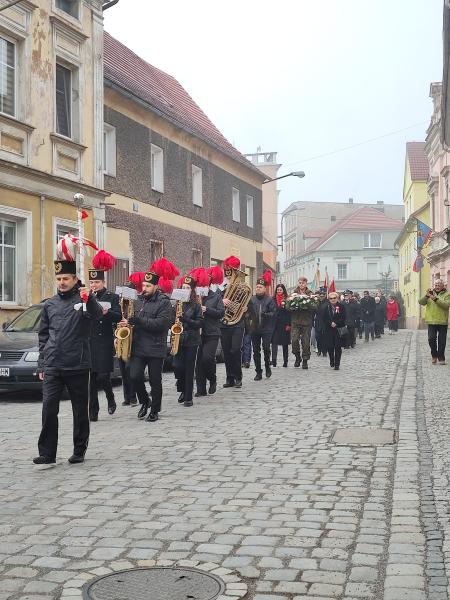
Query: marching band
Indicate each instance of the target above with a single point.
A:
(133, 324)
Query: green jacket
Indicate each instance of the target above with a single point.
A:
(436, 311)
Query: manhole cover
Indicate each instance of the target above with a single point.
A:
(155, 583)
(364, 436)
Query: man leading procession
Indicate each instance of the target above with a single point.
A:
(262, 312)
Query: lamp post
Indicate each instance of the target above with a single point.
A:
(299, 174)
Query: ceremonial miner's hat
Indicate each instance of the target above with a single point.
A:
(188, 280)
(65, 267)
(151, 277)
(102, 262)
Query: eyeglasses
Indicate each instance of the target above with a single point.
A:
(333, 297)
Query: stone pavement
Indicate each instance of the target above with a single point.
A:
(248, 483)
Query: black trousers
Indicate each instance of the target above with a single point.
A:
(321, 349)
(137, 371)
(263, 339)
(334, 348)
(437, 339)
(184, 369)
(206, 363)
(275, 353)
(393, 325)
(231, 345)
(350, 338)
(100, 381)
(129, 393)
(77, 383)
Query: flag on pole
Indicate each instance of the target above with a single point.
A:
(418, 263)
(331, 287)
(317, 278)
(424, 234)
(325, 281)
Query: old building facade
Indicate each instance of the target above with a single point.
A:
(51, 130)
(178, 188)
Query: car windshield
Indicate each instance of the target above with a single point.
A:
(28, 321)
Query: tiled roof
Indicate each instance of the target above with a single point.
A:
(364, 219)
(314, 233)
(417, 159)
(128, 71)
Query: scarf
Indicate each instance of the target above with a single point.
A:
(279, 298)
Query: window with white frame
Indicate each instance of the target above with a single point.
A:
(71, 7)
(63, 100)
(156, 250)
(8, 260)
(197, 258)
(236, 205)
(342, 270)
(372, 240)
(64, 227)
(7, 77)
(109, 150)
(249, 211)
(372, 271)
(157, 168)
(197, 186)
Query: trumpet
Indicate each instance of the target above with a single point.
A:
(176, 329)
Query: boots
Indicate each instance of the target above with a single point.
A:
(297, 360)
(143, 411)
(305, 364)
(268, 371)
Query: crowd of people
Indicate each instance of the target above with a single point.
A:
(78, 325)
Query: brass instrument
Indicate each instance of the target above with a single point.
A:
(176, 329)
(124, 333)
(239, 293)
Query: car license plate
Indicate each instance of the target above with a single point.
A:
(4, 372)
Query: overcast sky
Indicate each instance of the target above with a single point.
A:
(303, 78)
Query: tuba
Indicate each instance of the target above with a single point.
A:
(239, 293)
(176, 329)
(124, 333)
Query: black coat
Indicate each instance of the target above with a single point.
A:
(64, 332)
(215, 311)
(102, 336)
(192, 321)
(330, 334)
(262, 311)
(380, 314)
(319, 316)
(152, 318)
(352, 313)
(367, 306)
(282, 329)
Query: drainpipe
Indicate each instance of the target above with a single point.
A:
(42, 219)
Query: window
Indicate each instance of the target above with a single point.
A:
(7, 261)
(118, 274)
(197, 186)
(342, 271)
(156, 250)
(109, 150)
(63, 101)
(197, 258)
(250, 211)
(71, 7)
(372, 270)
(65, 229)
(372, 240)
(7, 77)
(236, 206)
(157, 168)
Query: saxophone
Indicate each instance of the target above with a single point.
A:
(239, 293)
(124, 333)
(176, 329)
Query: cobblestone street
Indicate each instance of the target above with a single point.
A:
(248, 484)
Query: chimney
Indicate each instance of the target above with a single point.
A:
(350, 200)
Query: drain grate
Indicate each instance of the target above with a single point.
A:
(155, 583)
(364, 436)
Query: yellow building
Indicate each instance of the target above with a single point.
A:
(413, 284)
(51, 139)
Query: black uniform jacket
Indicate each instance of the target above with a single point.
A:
(282, 333)
(64, 332)
(192, 321)
(367, 306)
(338, 317)
(319, 316)
(352, 313)
(102, 336)
(215, 311)
(262, 310)
(153, 315)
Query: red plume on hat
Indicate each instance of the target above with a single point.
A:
(137, 279)
(232, 262)
(165, 269)
(200, 274)
(165, 285)
(215, 275)
(103, 261)
(267, 276)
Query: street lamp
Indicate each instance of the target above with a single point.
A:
(299, 174)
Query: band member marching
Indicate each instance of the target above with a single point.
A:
(235, 299)
(102, 336)
(190, 315)
(262, 310)
(213, 311)
(150, 322)
(64, 359)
